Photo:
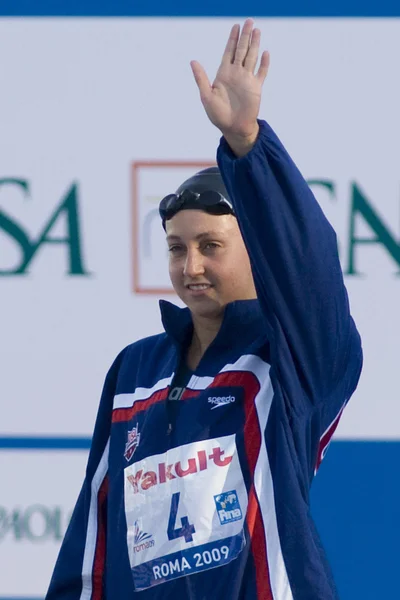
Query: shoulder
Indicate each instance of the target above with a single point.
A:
(144, 362)
(150, 344)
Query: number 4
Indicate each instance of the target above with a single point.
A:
(187, 528)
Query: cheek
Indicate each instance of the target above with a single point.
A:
(236, 272)
(175, 271)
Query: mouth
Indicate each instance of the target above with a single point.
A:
(198, 288)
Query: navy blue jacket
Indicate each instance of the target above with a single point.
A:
(217, 506)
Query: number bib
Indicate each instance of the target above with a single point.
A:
(185, 511)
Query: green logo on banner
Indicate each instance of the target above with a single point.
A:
(35, 523)
(361, 209)
(28, 246)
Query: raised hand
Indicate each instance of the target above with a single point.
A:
(232, 102)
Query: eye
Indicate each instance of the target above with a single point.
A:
(175, 248)
(211, 246)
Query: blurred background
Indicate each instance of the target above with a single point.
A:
(99, 118)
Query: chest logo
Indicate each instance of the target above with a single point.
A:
(132, 443)
(218, 401)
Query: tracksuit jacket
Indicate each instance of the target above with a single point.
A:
(214, 503)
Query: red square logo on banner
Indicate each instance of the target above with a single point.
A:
(151, 181)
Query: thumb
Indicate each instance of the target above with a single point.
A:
(201, 79)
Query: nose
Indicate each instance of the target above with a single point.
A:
(194, 265)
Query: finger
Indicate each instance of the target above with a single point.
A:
(201, 79)
(263, 68)
(244, 42)
(229, 52)
(252, 55)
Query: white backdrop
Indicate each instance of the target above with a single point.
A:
(81, 101)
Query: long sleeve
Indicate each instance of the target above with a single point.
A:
(295, 263)
(80, 565)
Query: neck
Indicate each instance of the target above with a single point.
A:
(204, 332)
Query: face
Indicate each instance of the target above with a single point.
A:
(208, 262)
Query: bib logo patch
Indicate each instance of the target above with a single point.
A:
(141, 540)
(228, 507)
(132, 443)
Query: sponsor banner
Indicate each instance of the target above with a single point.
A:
(341, 518)
(38, 495)
(94, 137)
(86, 156)
(83, 261)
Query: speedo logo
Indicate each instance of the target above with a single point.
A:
(220, 400)
(200, 462)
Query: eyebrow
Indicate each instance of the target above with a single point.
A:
(200, 236)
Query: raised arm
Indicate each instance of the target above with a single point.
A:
(232, 102)
(292, 246)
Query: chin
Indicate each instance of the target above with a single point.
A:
(206, 310)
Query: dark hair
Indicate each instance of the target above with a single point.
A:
(204, 190)
(205, 180)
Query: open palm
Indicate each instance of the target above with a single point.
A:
(232, 102)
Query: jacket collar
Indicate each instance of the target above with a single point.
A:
(242, 321)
